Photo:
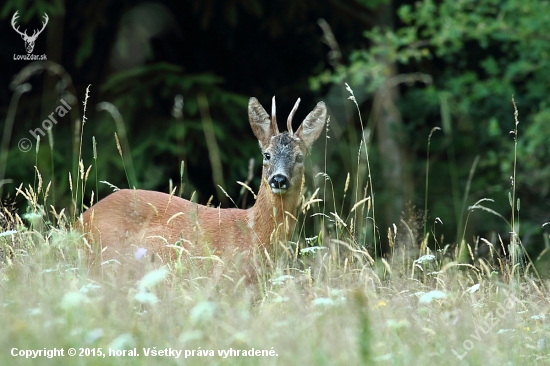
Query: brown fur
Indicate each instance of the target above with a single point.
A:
(131, 219)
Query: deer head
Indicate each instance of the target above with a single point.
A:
(29, 40)
(283, 163)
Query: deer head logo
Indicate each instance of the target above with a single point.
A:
(29, 40)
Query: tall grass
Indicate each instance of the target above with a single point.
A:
(327, 302)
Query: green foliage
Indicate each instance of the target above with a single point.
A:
(143, 88)
(86, 48)
(371, 4)
(29, 9)
(479, 54)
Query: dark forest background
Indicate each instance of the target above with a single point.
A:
(412, 65)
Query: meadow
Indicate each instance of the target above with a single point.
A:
(323, 300)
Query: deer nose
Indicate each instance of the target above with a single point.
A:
(279, 183)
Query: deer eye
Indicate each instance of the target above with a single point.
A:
(267, 156)
(299, 158)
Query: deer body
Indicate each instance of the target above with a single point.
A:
(131, 219)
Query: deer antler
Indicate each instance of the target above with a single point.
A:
(273, 116)
(13, 20)
(290, 116)
(43, 26)
(24, 34)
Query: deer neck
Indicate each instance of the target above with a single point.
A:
(270, 223)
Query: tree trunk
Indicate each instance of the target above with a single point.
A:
(392, 142)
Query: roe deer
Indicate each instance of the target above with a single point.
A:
(130, 218)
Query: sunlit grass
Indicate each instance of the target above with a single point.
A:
(334, 314)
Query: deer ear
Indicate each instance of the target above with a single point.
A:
(260, 122)
(312, 126)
